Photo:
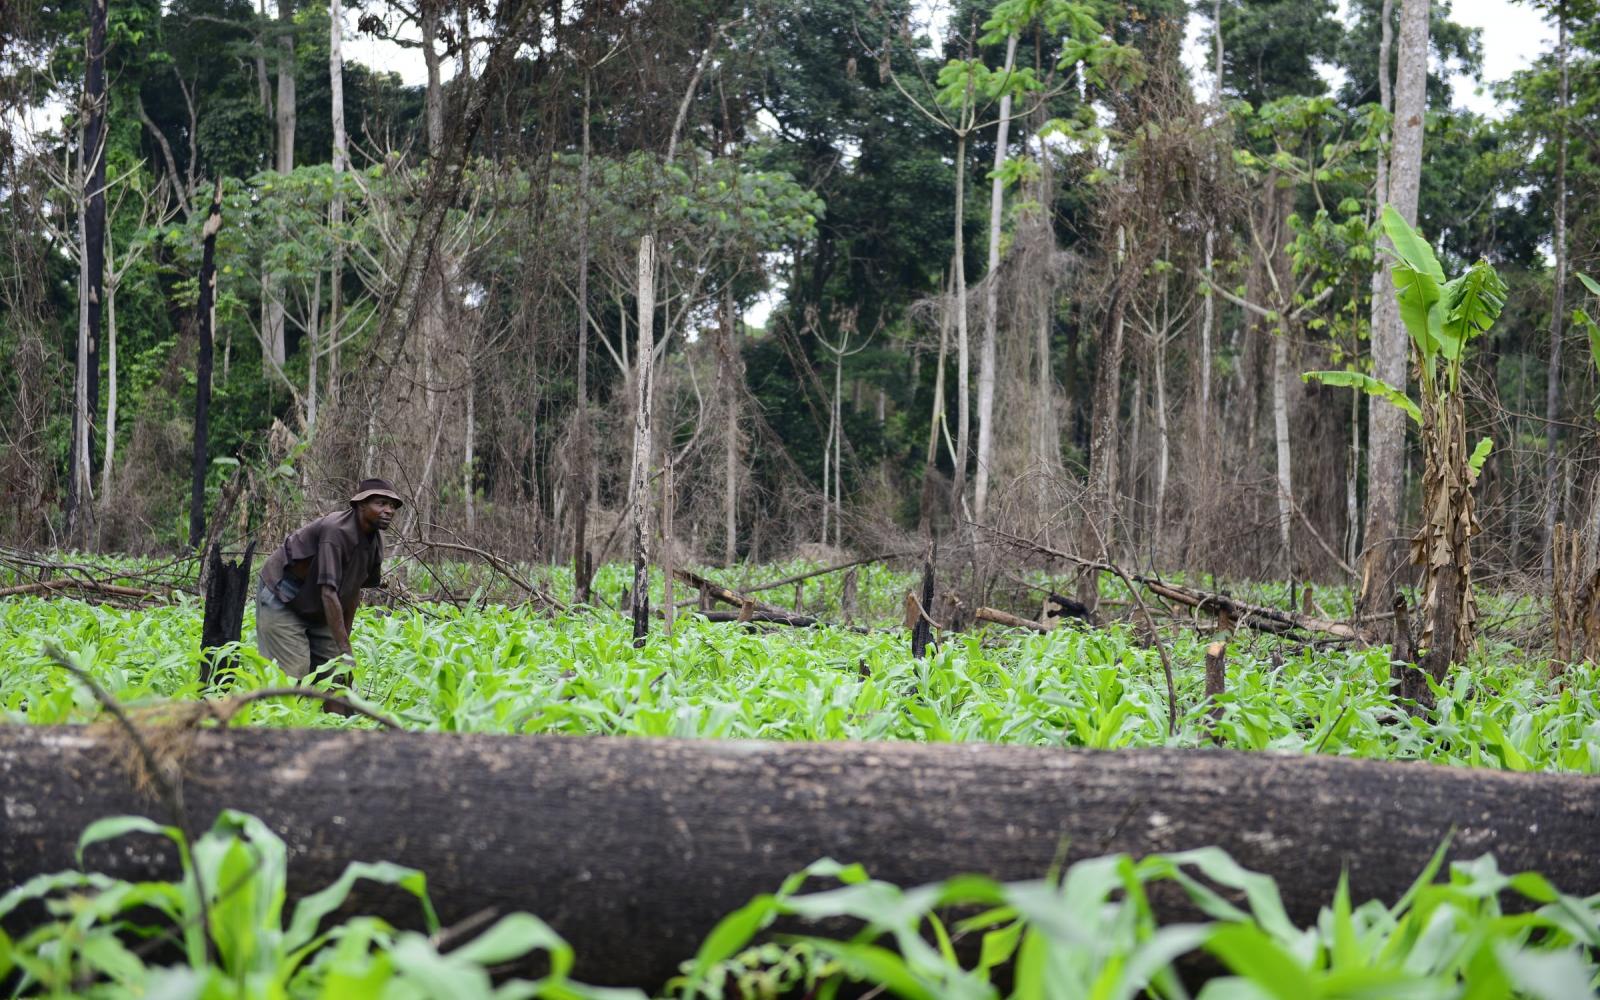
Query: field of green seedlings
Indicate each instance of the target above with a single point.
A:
(491, 668)
(1088, 931)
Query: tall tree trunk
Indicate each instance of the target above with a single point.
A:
(936, 420)
(341, 163)
(991, 299)
(1163, 434)
(837, 423)
(433, 94)
(1208, 318)
(1386, 428)
(1352, 500)
(205, 314)
(468, 480)
(431, 310)
(582, 460)
(284, 164)
(91, 275)
(1103, 488)
(963, 353)
(1552, 397)
(640, 480)
(108, 460)
(729, 379)
(1280, 433)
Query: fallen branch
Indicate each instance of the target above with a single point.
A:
(498, 565)
(92, 586)
(763, 617)
(998, 617)
(1245, 614)
(726, 595)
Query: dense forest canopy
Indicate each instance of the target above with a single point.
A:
(1024, 266)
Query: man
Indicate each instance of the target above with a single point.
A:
(311, 586)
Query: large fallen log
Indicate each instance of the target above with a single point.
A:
(633, 848)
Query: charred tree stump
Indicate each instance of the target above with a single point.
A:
(922, 628)
(632, 849)
(228, 588)
(1410, 680)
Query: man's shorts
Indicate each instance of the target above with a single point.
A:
(295, 644)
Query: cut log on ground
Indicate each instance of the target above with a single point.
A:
(89, 588)
(998, 617)
(763, 617)
(633, 849)
(726, 595)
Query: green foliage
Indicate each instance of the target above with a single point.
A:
(1369, 385)
(1441, 317)
(227, 910)
(1089, 931)
(488, 668)
(1092, 932)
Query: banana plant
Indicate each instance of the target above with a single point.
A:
(1441, 318)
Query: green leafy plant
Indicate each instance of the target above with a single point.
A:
(226, 913)
(1441, 318)
(1092, 932)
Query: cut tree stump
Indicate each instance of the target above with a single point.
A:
(632, 849)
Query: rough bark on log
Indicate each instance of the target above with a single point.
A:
(632, 848)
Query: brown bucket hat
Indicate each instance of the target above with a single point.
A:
(376, 488)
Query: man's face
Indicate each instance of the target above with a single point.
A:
(378, 512)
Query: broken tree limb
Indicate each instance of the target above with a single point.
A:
(1243, 613)
(498, 565)
(706, 585)
(765, 617)
(998, 617)
(87, 586)
(632, 849)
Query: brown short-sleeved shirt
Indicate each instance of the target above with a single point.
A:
(341, 555)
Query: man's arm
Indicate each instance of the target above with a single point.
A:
(338, 623)
(350, 613)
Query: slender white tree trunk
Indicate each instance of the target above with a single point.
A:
(284, 163)
(313, 351)
(1280, 427)
(963, 353)
(1352, 502)
(731, 376)
(1163, 438)
(1552, 399)
(1208, 318)
(838, 450)
(467, 486)
(991, 300)
(639, 481)
(109, 459)
(341, 162)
